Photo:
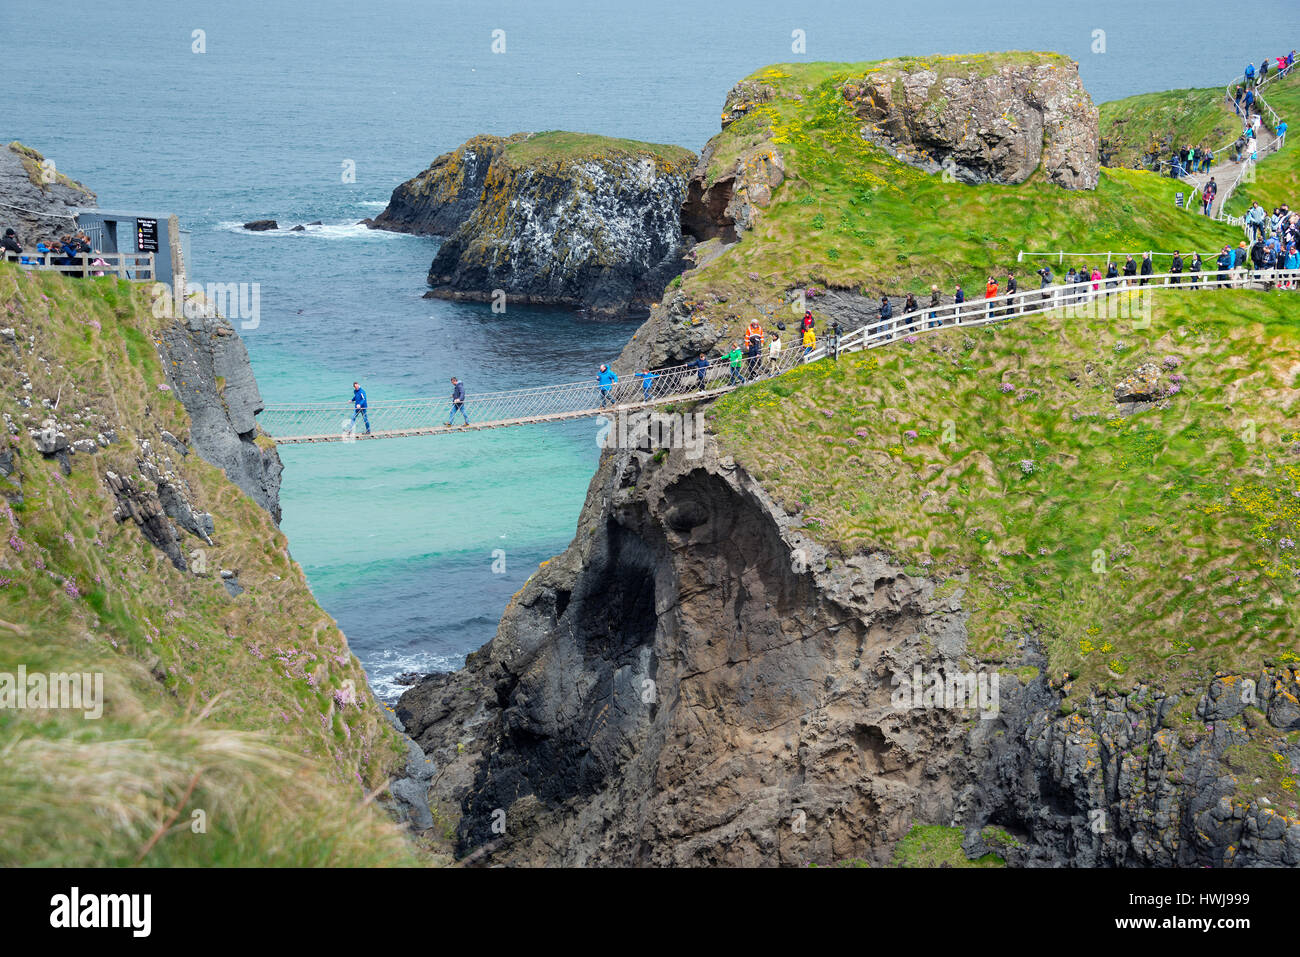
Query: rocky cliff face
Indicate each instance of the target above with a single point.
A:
(551, 218)
(208, 368)
(981, 127)
(695, 682)
(39, 201)
(445, 195)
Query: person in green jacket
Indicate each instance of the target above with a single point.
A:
(734, 357)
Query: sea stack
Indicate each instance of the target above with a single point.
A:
(556, 218)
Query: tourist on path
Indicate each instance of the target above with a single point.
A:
(774, 350)
(359, 408)
(701, 366)
(886, 312)
(734, 357)
(934, 305)
(606, 379)
(10, 243)
(753, 355)
(1255, 219)
(1281, 134)
(647, 379)
(958, 298)
(1112, 274)
(1146, 268)
(1225, 263)
(1130, 269)
(1176, 266)
(457, 402)
(1194, 267)
(809, 342)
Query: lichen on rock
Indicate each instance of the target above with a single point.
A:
(995, 125)
(551, 218)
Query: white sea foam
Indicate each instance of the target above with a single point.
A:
(350, 230)
(383, 669)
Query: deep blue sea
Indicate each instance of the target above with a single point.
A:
(397, 537)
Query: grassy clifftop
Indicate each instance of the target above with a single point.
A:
(558, 146)
(850, 215)
(246, 715)
(1158, 546)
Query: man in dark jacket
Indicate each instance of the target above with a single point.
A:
(1176, 266)
(886, 312)
(1146, 268)
(457, 402)
(1130, 269)
(10, 243)
(1225, 264)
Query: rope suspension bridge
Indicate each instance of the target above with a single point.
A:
(1111, 299)
(1106, 299)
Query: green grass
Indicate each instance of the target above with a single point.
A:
(1158, 123)
(1277, 176)
(935, 846)
(560, 146)
(1142, 548)
(220, 705)
(849, 215)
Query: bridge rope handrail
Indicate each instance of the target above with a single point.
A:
(328, 422)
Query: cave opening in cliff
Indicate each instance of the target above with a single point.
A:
(618, 614)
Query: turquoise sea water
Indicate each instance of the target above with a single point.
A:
(397, 537)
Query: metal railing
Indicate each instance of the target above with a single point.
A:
(1114, 296)
(334, 422)
(137, 267)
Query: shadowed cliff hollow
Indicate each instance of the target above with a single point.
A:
(550, 218)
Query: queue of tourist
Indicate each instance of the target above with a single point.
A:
(70, 249)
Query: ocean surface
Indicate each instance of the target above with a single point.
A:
(399, 538)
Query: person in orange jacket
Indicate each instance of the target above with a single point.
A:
(990, 290)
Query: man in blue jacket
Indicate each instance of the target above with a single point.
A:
(701, 366)
(606, 378)
(457, 402)
(359, 407)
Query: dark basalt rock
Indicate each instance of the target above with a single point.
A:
(261, 225)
